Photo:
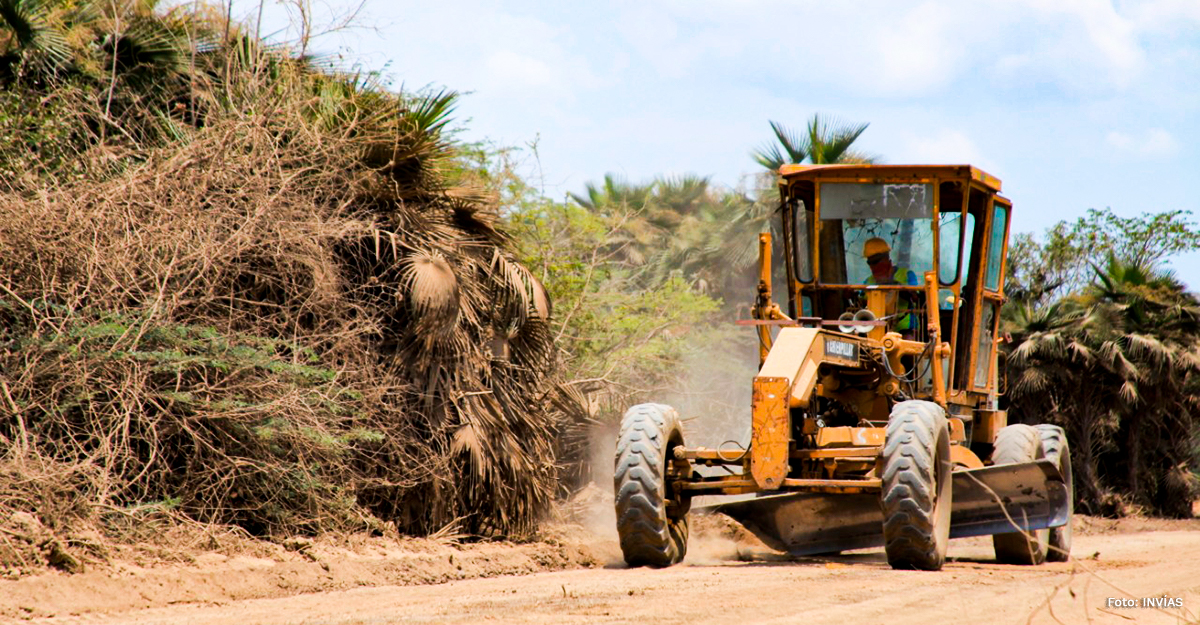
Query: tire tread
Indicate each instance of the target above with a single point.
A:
(910, 489)
(648, 536)
(1054, 443)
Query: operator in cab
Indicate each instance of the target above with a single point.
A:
(879, 258)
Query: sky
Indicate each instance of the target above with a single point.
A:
(1073, 104)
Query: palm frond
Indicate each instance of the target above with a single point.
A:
(466, 440)
(146, 43)
(1149, 348)
(1080, 352)
(29, 21)
(794, 144)
(431, 286)
(1129, 392)
(826, 140)
(830, 139)
(769, 156)
(790, 147)
(518, 294)
(1032, 380)
(1126, 368)
(431, 113)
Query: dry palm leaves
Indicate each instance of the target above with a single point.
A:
(259, 324)
(428, 283)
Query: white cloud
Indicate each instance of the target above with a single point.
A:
(511, 67)
(677, 42)
(1109, 33)
(1153, 143)
(944, 146)
(918, 51)
(1167, 15)
(1034, 91)
(1076, 46)
(898, 50)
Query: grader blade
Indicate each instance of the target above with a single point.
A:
(810, 523)
(1032, 494)
(1008, 497)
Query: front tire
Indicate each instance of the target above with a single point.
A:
(651, 519)
(917, 486)
(1054, 444)
(1017, 444)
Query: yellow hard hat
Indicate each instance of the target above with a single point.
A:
(875, 245)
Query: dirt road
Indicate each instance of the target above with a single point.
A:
(727, 580)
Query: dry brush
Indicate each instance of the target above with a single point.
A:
(283, 318)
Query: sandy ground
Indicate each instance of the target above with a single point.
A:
(124, 586)
(727, 577)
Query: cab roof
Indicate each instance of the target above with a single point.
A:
(893, 173)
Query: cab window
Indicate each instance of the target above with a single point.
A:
(856, 218)
(955, 244)
(995, 255)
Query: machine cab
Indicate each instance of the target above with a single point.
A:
(861, 241)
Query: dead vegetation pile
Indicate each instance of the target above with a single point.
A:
(267, 307)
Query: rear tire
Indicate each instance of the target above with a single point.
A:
(917, 486)
(1016, 444)
(1054, 444)
(651, 520)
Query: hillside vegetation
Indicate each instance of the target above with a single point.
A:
(239, 290)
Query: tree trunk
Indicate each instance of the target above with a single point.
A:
(1133, 440)
(1089, 495)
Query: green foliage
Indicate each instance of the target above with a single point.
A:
(645, 280)
(683, 228)
(629, 323)
(45, 40)
(611, 326)
(34, 38)
(41, 135)
(180, 348)
(1060, 262)
(256, 416)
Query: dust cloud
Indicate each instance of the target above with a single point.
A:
(712, 395)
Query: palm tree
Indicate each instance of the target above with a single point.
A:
(678, 226)
(638, 223)
(700, 220)
(827, 141)
(1118, 366)
(1160, 322)
(1064, 369)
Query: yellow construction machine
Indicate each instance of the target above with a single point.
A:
(875, 412)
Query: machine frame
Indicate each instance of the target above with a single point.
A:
(847, 456)
(853, 421)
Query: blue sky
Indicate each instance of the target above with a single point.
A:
(1074, 104)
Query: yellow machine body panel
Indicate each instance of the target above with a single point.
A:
(772, 432)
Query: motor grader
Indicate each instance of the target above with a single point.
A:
(875, 415)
